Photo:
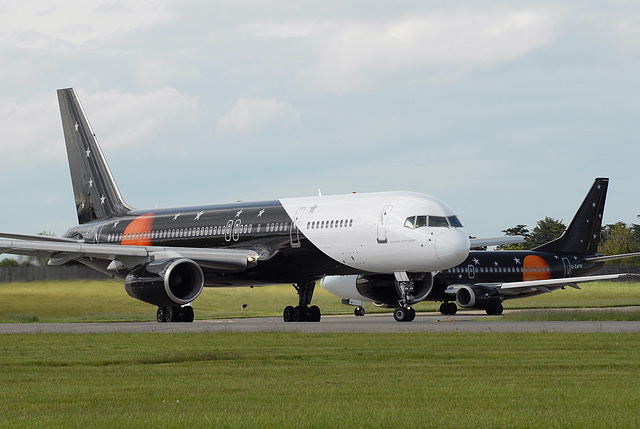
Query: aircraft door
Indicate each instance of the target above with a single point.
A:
(294, 231)
(382, 224)
(471, 271)
(567, 267)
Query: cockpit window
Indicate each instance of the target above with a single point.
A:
(454, 222)
(413, 222)
(438, 221)
(409, 223)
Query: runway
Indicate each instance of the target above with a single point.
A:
(376, 323)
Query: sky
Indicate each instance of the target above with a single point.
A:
(505, 110)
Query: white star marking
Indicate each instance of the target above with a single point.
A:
(91, 183)
(200, 213)
(599, 186)
(76, 125)
(260, 213)
(516, 260)
(593, 205)
(312, 209)
(88, 153)
(102, 199)
(239, 213)
(115, 223)
(495, 263)
(176, 216)
(476, 261)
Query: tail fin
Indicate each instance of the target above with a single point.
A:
(96, 193)
(583, 234)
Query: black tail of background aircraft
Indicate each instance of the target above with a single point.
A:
(583, 233)
(88, 166)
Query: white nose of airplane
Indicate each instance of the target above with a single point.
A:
(452, 247)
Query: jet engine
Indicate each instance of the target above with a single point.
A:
(474, 296)
(166, 283)
(379, 288)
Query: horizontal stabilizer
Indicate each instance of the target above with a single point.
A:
(604, 258)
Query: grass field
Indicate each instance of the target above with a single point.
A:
(273, 379)
(320, 380)
(95, 301)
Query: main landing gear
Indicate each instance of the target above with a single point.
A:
(448, 308)
(175, 314)
(302, 312)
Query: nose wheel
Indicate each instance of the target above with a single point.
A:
(404, 314)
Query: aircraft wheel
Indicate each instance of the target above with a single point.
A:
(299, 314)
(495, 310)
(171, 314)
(359, 311)
(400, 314)
(453, 308)
(444, 308)
(188, 313)
(315, 314)
(287, 316)
(160, 315)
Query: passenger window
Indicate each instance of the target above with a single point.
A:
(410, 222)
(421, 221)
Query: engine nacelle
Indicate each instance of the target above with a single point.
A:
(166, 283)
(470, 296)
(379, 288)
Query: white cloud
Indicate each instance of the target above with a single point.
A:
(249, 116)
(31, 133)
(360, 53)
(37, 23)
(123, 120)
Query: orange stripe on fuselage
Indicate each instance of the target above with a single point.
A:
(535, 268)
(138, 233)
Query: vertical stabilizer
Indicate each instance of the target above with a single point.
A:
(96, 193)
(583, 234)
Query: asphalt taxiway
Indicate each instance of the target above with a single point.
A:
(375, 323)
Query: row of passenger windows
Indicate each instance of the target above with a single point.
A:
(197, 232)
(320, 224)
(433, 221)
(465, 270)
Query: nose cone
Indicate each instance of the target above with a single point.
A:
(452, 247)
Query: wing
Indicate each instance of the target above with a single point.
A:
(61, 252)
(496, 241)
(532, 286)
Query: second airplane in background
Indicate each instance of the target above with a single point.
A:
(487, 278)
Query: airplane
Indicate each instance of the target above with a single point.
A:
(167, 256)
(487, 278)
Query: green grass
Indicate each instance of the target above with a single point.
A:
(98, 301)
(320, 380)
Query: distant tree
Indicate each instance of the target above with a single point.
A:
(516, 230)
(546, 230)
(7, 262)
(620, 238)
